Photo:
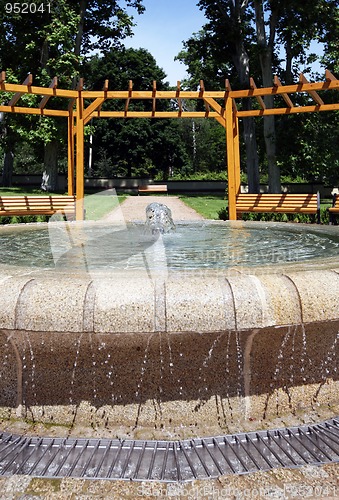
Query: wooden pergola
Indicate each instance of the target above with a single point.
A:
(83, 105)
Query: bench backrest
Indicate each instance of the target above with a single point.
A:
(306, 203)
(153, 187)
(21, 205)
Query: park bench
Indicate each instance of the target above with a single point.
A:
(36, 205)
(152, 188)
(334, 209)
(281, 203)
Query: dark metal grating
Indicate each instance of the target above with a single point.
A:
(170, 460)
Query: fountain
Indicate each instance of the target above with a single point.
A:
(214, 328)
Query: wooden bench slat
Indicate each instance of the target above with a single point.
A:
(36, 205)
(278, 203)
(153, 188)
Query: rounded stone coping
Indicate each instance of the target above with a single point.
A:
(206, 300)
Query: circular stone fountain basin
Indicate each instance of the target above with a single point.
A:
(218, 327)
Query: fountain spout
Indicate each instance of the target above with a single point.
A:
(159, 218)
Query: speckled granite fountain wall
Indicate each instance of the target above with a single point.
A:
(208, 350)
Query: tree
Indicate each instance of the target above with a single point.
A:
(140, 147)
(249, 34)
(55, 41)
(221, 48)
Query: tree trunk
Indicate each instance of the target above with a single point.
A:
(50, 174)
(241, 62)
(240, 58)
(79, 36)
(252, 162)
(265, 56)
(7, 168)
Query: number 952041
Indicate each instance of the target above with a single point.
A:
(27, 8)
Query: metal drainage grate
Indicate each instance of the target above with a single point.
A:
(170, 460)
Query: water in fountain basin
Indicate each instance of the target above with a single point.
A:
(192, 246)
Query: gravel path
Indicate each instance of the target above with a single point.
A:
(133, 208)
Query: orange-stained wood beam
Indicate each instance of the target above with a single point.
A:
(79, 88)
(150, 114)
(44, 100)
(258, 97)
(286, 97)
(228, 89)
(80, 146)
(316, 97)
(221, 111)
(289, 111)
(71, 157)
(41, 91)
(201, 94)
(329, 77)
(154, 98)
(236, 154)
(179, 98)
(16, 97)
(95, 105)
(2, 76)
(130, 90)
(231, 160)
(33, 111)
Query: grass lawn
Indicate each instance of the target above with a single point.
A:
(207, 206)
(18, 191)
(97, 206)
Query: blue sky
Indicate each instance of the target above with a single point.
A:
(165, 25)
(162, 29)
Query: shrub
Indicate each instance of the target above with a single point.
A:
(23, 219)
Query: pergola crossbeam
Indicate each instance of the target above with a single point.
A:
(95, 105)
(219, 110)
(329, 76)
(44, 100)
(179, 98)
(258, 97)
(316, 97)
(130, 90)
(286, 97)
(285, 111)
(28, 82)
(154, 97)
(201, 95)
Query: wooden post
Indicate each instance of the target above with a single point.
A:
(232, 213)
(70, 160)
(236, 153)
(80, 171)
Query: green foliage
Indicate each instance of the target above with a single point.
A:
(305, 144)
(55, 43)
(24, 219)
(199, 176)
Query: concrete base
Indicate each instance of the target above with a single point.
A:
(160, 385)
